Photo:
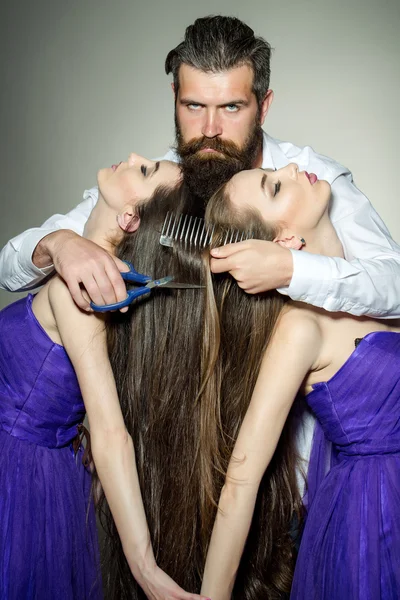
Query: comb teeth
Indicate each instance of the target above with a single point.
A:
(193, 233)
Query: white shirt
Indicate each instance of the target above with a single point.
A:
(366, 283)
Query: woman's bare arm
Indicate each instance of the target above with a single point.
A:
(84, 338)
(290, 356)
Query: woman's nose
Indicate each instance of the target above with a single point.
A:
(136, 159)
(133, 158)
(292, 170)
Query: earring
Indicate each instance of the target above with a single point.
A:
(303, 241)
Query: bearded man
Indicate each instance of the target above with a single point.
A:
(221, 73)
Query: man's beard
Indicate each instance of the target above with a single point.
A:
(205, 172)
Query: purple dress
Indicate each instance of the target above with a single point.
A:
(350, 548)
(48, 537)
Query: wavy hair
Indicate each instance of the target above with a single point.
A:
(217, 43)
(186, 362)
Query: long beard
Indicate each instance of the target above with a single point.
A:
(205, 172)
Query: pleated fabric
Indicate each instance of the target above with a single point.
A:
(48, 537)
(350, 549)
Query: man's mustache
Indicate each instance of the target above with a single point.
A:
(226, 147)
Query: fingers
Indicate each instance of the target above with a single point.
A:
(229, 257)
(103, 286)
(229, 249)
(221, 265)
(117, 283)
(120, 264)
(98, 289)
(77, 294)
(81, 263)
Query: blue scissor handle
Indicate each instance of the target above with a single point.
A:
(132, 295)
(133, 276)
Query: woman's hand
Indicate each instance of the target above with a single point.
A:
(159, 586)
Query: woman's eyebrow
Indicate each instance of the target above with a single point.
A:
(263, 180)
(155, 168)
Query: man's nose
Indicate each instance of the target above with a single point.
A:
(211, 126)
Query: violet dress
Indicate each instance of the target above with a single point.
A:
(48, 537)
(350, 549)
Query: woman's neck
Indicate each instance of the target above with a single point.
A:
(324, 240)
(102, 227)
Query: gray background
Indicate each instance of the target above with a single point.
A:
(83, 84)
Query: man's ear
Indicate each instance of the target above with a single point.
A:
(287, 239)
(173, 87)
(266, 103)
(128, 221)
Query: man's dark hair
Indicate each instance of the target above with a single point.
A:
(215, 43)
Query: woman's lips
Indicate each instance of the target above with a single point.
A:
(115, 167)
(312, 178)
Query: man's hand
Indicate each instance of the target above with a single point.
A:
(257, 266)
(81, 262)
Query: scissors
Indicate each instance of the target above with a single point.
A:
(148, 284)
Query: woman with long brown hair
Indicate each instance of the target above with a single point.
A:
(351, 542)
(54, 367)
(186, 363)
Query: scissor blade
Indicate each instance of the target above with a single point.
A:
(175, 285)
(164, 281)
(168, 282)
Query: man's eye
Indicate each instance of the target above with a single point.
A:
(277, 188)
(194, 106)
(143, 169)
(232, 108)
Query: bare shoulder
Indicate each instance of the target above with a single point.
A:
(297, 340)
(58, 291)
(299, 325)
(68, 315)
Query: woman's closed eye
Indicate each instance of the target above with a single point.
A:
(143, 169)
(277, 188)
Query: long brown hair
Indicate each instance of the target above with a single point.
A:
(185, 363)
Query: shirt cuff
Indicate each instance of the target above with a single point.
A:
(311, 278)
(25, 252)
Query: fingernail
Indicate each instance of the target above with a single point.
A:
(215, 251)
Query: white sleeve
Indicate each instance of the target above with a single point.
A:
(367, 282)
(17, 271)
